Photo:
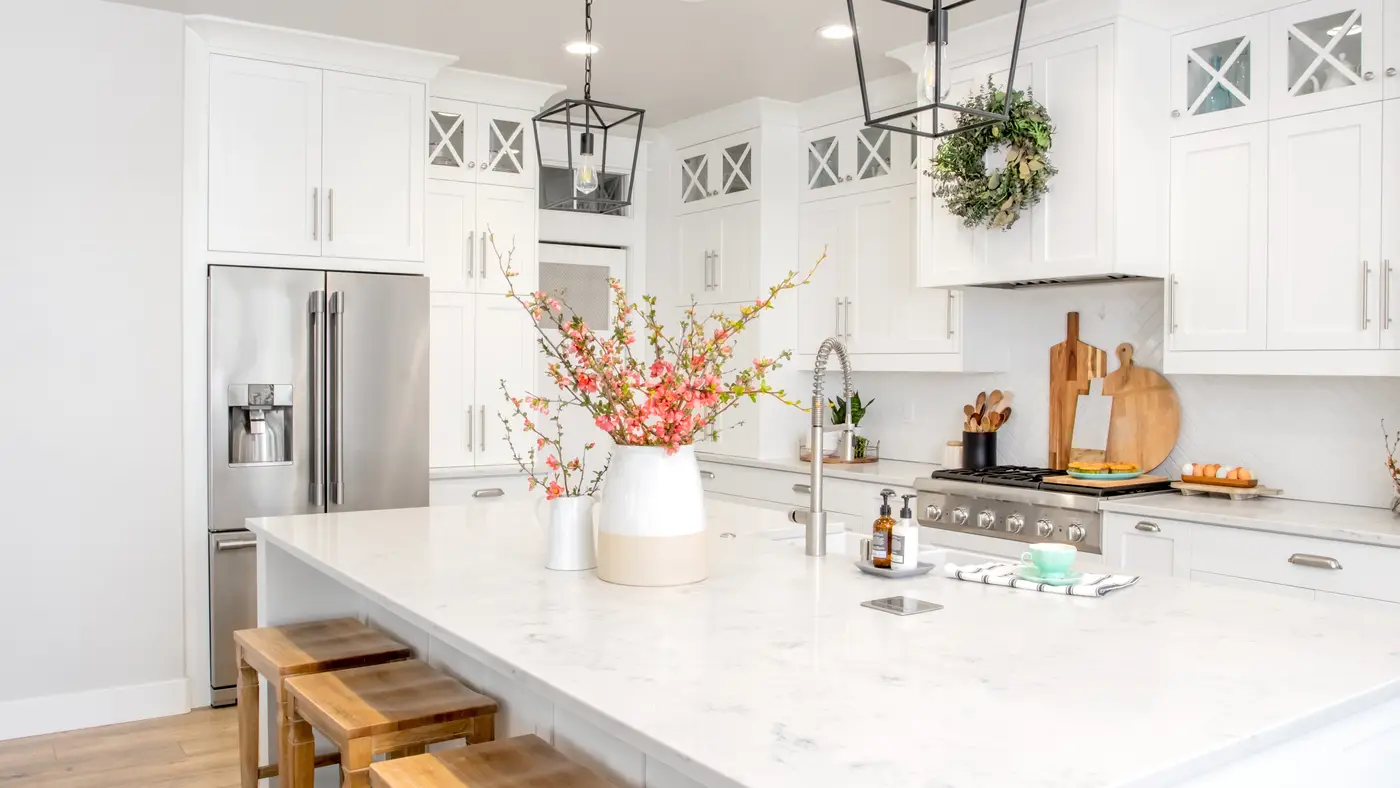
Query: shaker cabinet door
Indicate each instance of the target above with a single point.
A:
(451, 249)
(452, 416)
(1219, 258)
(505, 227)
(1390, 225)
(505, 352)
(820, 302)
(374, 167)
(264, 157)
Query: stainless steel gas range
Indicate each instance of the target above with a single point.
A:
(1017, 504)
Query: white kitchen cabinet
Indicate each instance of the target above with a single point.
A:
(264, 157)
(718, 252)
(506, 351)
(460, 220)
(1325, 54)
(849, 157)
(506, 220)
(1147, 545)
(718, 173)
(452, 150)
(1217, 284)
(1392, 49)
(505, 152)
(1220, 75)
(372, 170)
(1390, 221)
(451, 249)
(511, 486)
(1324, 235)
(820, 302)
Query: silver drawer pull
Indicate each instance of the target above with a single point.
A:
(707, 475)
(1314, 561)
(805, 489)
(1151, 528)
(235, 545)
(490, 492)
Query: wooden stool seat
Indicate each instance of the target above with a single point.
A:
(396, 708)
(521, 762)
(296, 650)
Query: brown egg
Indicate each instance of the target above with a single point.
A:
(1210, 470)
(1233, 473)
(1245, 475)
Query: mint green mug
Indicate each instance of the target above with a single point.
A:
(1050, 560)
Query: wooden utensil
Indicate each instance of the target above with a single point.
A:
(994, 399)
(993, 421)
(1003, 415)
(968, 411)
(981, 403)
(1146, 414)
(1072, 365)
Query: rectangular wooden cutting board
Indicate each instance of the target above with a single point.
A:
(1072, 365)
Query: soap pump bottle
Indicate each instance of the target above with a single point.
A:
(904, 540)
(881, 534)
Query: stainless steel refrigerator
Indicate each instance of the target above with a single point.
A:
(318, 402)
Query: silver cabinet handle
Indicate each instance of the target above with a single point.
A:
(848, 179)
(707, 474)
(717, 275)
(471, 427)
(805, 489)
(1151, 528)
(714, 193)
(483, 428)
(838, 317)
(315, 213)
(485, 164)
(336, 308)
(1370, 75)
(330, 214)
(847, 321)
(1171, 311)
(490, 492)
(471, 165)
(1176, 113)
(1385, 294)
(485, 239)
(950, 314)
(317, 306)
(240, 544)
(1314, 561)
(1390, 72)
(1365, 294)
(707, 269)
(471, 250)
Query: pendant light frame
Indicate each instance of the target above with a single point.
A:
(591, 119)
(937, 36)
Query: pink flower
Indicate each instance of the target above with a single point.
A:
(587, 383)
(553, 491)
(552, 462)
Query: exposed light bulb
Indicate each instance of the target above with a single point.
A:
(928, 75)
(585, 168)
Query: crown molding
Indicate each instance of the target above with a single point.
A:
(461, 84)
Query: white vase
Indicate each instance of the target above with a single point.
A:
(568, 533)
(651, 523)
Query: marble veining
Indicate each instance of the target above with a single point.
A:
(770, 674)
(1274, 515)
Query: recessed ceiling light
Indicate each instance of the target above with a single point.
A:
(838, 32)
(581, 48)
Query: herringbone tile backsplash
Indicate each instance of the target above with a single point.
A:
(1317, 438)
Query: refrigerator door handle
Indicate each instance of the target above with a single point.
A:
(336, 307)
(483, 428)
(317, 307)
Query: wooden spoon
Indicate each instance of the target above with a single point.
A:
(1004, 416)
(968, 411)
(995, 399)
(993, 421)
(982, 403)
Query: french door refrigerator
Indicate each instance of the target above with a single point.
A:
(318, 402)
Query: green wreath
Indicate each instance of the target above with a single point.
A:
(996, 198)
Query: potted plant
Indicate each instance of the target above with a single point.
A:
(857, 412)
(653, 390)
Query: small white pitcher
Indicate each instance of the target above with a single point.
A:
(568, 533)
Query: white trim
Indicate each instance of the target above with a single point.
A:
(728, 121)
(459, 84)
(886, 94)
(1310, 363)
(108, 706)
(231, 36)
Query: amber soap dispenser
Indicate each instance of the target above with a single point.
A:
(881, 533)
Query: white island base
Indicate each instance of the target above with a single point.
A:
(771, 675)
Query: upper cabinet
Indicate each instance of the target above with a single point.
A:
(480, 143)
(849, 157)
(1220, 75)
(718, 173)
(314, 163)
(719, 254)
(463, 221)
(1325, 54)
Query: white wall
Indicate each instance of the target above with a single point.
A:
(90, 459)
(1316, 438)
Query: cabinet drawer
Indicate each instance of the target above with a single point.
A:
(1336, 567)
(450, 492)
(761, 484)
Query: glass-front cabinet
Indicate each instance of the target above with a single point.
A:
(850, 157)
(718, 173)
(1220, 76)
(1325, 54)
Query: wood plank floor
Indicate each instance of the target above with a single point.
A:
(194, 750)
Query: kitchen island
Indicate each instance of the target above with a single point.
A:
(771, 675)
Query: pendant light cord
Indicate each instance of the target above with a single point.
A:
(588, 52)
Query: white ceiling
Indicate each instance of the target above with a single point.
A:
(675, 58)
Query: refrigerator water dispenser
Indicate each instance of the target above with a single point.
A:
(259, 424)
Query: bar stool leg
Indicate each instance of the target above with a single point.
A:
(248, 703)
(284, 728)
(483, 729)
(355, 760)
(301, 771)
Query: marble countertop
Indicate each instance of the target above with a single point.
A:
(771, 675)
(892, 472)
(1275, 515)
(474, 472)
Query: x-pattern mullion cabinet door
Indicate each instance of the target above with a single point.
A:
(1325, 54)
(737, 172)
(823, 161)
(1220, 76)
(504, 153)
(695, 164)
(451, 140)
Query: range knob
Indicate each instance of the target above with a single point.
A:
(933, 512)
(986, 519)
(1076, 532)
(1015, 524)
(1043, 528)
(960, 516)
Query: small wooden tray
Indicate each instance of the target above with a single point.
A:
(1214, 482)
(1233, 493)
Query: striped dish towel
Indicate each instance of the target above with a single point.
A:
(997, 573)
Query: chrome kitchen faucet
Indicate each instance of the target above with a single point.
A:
(816, 518)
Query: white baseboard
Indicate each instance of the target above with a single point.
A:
(54, 713)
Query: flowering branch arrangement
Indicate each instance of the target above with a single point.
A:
(557, 481)
(665, 391)
(1392, 445)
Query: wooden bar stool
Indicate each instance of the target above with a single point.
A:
(397, 708)
(281, 652)
(521, 762)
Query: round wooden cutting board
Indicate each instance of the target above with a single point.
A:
(1146, 414)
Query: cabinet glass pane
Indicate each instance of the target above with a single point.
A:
(506, 146)
(737, 169)
(695, 178)
(445, 139)
(823, 162)
(582, 289)
(1325, 53)
(873, 153)
(1217, 76)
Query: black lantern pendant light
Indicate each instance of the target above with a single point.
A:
(929, 81)
(586, 126)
